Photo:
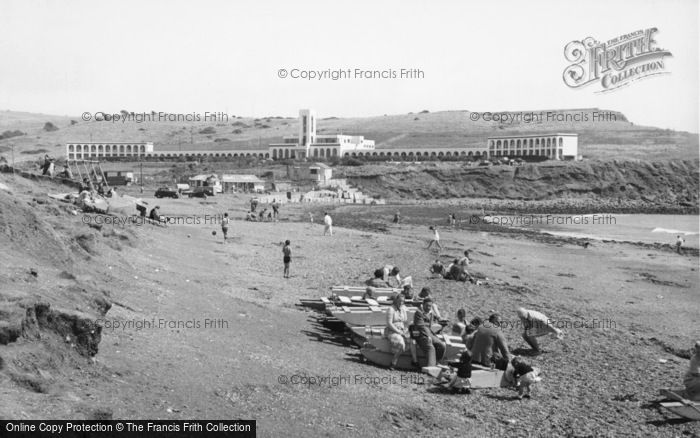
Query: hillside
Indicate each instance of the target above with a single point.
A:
(615, 137)
(619, 185)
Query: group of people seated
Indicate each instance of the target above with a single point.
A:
(425, 326)
(457, 270)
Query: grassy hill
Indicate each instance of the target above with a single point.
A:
(615, 137)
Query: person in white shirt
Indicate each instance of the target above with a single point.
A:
(436, 238)
(679, 243)
(535, 325)
(328, 222)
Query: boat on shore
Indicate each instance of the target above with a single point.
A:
(378, 351)
(359, 291)
(365, 316)
(680, 406)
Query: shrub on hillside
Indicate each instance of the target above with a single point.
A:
(10, 134)
(48, 127)
(208, 130)
(349, 161)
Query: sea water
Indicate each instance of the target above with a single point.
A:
(647, 228)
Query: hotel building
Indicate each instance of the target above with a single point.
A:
(310, 145)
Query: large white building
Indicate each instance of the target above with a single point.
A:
(308, 144)
(551, 146)
(82, 151)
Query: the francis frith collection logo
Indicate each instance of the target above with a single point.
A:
(616, 62)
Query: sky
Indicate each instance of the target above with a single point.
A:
(68, 57)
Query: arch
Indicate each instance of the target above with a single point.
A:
(440, 154)
(491, 144)
(142, 149)
(561, 142)
(469, 154)
(335, 152)
(433, 154)
(100, 150)
(498, 144)
(517, 144)
(121, 149)
(353, 154)
(274, 154)
(549, 142)
(410, 154)
(286, 153)
(315, 152)
(374, 154)
(381, 154)
(328, 152)
(267, 155)
(346, 154)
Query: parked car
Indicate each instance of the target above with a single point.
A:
(201, 192)
(166, 192)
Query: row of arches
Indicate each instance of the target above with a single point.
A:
(106, 149)
(418, 153)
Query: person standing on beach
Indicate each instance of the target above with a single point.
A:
(679, 243)
(328, 222)
(311, 218)
(287, 251)
(397, 217)
(436, 239)
(275, 211)
(224, 225)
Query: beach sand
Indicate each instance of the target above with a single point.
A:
(245, 350)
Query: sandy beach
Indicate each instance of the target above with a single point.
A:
(227, 340)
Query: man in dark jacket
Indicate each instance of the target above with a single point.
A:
(489, 346)
(432, 346)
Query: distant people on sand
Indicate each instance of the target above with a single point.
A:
(287, 257)
(397, 217)
(67, 172)
(155, 213)
(691, 380)
(437, 268)
(253, 204)
(311, 217)
(328, 225)
(396, 331)
(224, 226)
(451, 220)
(679, 244)
(535, 325)
(465, 261)
(428, 342)
(435, 239)
(275, 211)
(488, 346)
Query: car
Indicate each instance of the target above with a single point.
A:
(165, 192)
(201, 192)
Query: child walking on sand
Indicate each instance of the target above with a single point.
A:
(436, 239)
(287, 251)
(224, 226)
